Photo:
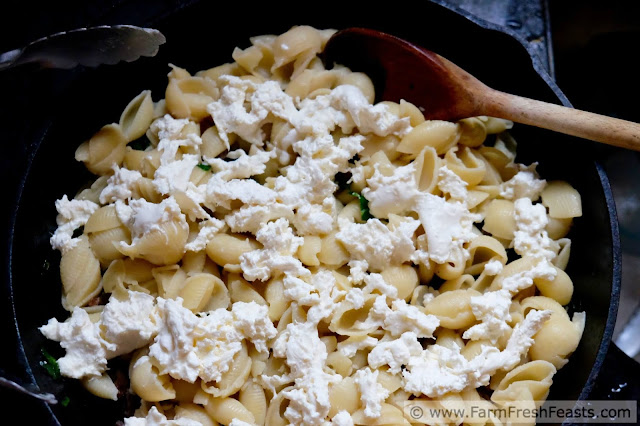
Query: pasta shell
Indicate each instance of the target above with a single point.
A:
(453, 308)
(344, 395)
(147, 382)
(101, 386)
(225, 410)
(404, 278)
(197, 290)
(103, 219)
(226, 249)
(137, 116)
(277, 407)
(389, 415)
(188, 97)
(440, 135)
(473, 131)
(562, 199)
(104, 243)
(234, 378)
(274, 296)
(194, 412)
(241, 291)
(253, 398)
(161, 246)
(103, 150)
(80, 274)
(170, 279)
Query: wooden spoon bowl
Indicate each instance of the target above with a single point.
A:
(444, 91)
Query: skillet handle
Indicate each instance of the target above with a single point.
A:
(619, 378)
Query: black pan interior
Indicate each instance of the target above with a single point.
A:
(197, 38)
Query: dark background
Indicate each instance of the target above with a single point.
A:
(591, 46)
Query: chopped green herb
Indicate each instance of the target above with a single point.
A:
(65, 401)
(46, 265)
(205, 167)
(78, 232)
(50, 364)
(140, 144)
(364, 205)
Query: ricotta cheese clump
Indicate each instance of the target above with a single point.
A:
(277, 255)
(156, 418)
(525, 184)
(372, 393)
(121, 185)
(124, 325)
(72, 214)
(530, 237)
(189, 346)
(439, 370)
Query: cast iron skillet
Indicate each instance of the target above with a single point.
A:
(197, 38)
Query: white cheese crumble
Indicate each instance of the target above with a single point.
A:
(320, 294)
(395, 353)
(230, 115)
(393, 194)
(306, 356)
(369, 118)
(221, 192)
(342, 418)
(492, 307)
(120, 185)
(492, 310)
(242, 167)
(156, 418)
(439, 370)
(250, 218)
(129, 324)
(530, 237)
(142, 217)
(238, 422)
(447, 225)
(400, 318)
(375, 282)
(207, 229)
(379, 244)
(357, 271)
(311, 219)
(523, 279)
(124, 325)
(189, 346)
(174, 176)
(372, 393)
(170, 134)
(354, 344)
(277, 255)
(493, 267)
(86, 353)
(525, 184)
(72, 214)
(450, 183)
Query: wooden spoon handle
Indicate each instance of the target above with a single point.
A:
(595, 127)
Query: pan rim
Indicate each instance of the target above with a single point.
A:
(539, 69)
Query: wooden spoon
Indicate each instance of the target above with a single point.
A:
(447, 92)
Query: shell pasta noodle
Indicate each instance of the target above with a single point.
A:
(286, 251)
